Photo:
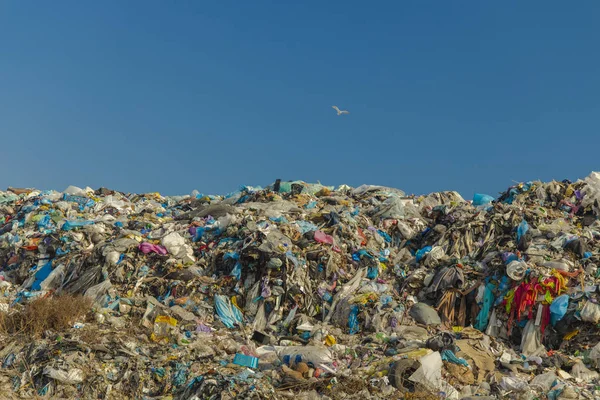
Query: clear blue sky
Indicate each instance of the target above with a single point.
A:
(172, 96)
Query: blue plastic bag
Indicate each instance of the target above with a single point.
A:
(512, 193)
(373, 272)
(311, 205)
(82, 201)
(353, 319)
(384, 235)
(423, 252)
(69, 225)
(480, 199)
(357, 256)
(558, 308)
(237, 271)
(306, 226)
(448, 355)
(232, 255)
(483, 318)
(41, 275)
(229, 314)
(522, 230)
(44, 222)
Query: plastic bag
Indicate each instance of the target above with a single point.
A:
(290, 317)
(152, 248)
(559, 265)
(580, 371)
(317, 355)
(236, 272)
(41, 275)
(558, 308)
(493, 325)
(429, 374)
(251, 300)
(353, 320)
(484, 314)
(70, 225)
(544, 382)
(592, 192)
(595, 355)
(163, 327)
(55, 279)
(77, 191)
(522, 230)
(226, 313)
(480, 199)
(422, 253)
(306, 226)
(373, 272)
(430, 371)
(323, 237)
(510, 384)
(98, 292)
(424, 314)
(69, 377)
(531, 344)
(177, 246)
(590, 312)
(448, 355)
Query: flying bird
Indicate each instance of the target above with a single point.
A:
(340, 112)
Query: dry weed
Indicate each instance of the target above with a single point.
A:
(51, 313)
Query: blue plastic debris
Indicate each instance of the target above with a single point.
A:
(353, 319)
(228, 313)
(70, 225)
(373, 272)
(558, 308)
(245, 361)
(384, 235)
(522, 230)
(41, 275)
(480, 199)
(422, 253)
(448, 355)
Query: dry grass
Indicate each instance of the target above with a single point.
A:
(52, 313)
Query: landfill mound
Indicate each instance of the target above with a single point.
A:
(301, 291)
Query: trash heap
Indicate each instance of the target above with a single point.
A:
(301, 291)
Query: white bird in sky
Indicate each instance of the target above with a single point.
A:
(340, 112)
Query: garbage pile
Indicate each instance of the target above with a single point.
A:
(301, 291)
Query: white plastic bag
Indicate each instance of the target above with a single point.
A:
(509, 383)
(309, 354)
(544, 382)
(580, 371)
(97, 292)
(76, 191)
(178, 248)
(429, 374)
(595, 355)
(260, 320)
(54, 279)
(531, 344)
(590, 312)
(69, 377)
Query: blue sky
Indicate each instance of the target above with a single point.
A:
(174, 96)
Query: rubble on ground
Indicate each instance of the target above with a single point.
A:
(301, 291)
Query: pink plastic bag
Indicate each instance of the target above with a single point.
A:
(152, 248)
(323, 237)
